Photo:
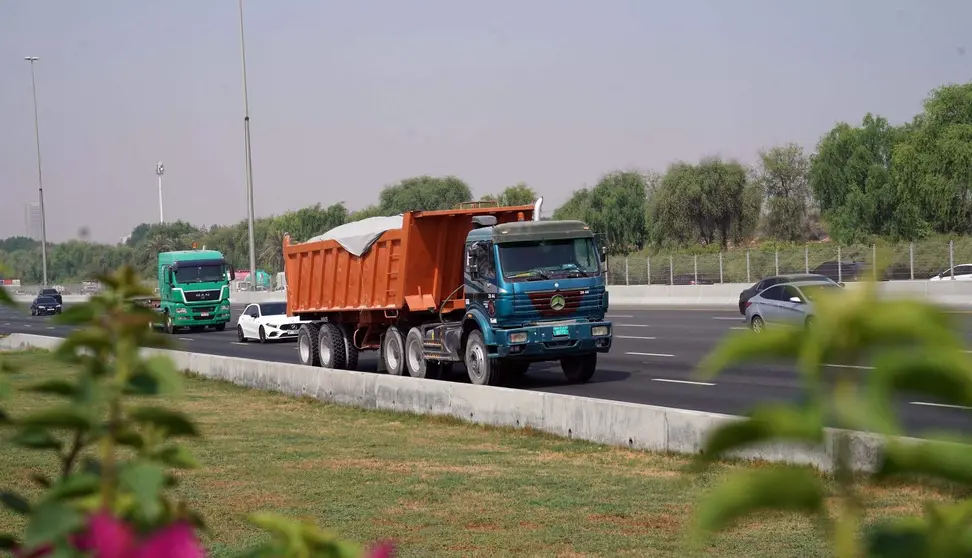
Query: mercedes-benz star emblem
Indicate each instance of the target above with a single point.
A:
(557, 302)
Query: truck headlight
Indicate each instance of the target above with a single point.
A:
(181, 311)
(518, 337)
(599, 331)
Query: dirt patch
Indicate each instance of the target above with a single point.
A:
(409, 467)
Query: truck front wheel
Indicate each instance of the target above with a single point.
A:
(307, 349)
(482, 371)
(579, 369)
(418, 366)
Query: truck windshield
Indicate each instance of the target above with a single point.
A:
(547, 259)
(207, 273)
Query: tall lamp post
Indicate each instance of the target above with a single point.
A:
(249, 160)
(40, 176)
(159, 170)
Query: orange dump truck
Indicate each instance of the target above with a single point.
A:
(490, 287)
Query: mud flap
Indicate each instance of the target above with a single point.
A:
(381, 353)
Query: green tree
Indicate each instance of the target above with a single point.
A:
(518, 194)
(616, 209)
(783, 175)
(916, 352)
(423, 193)
(575, 208)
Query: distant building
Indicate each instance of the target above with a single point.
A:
(32, 220)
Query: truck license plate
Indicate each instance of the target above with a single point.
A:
(560, 331)
(204, 314)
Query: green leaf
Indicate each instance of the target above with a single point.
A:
(130, 438)
(65, 417)
(73, 486)
(173, 422)
(156, 375)
(942, 375)
(145, 481)
(56, 386)
(944, 460)
(770, 423)
(51, 521)
(747, 491)
(179, 457)
(747, 346)
(14, 502)
(36, 438)
(80, 314)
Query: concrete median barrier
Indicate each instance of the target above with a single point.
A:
(635, 426)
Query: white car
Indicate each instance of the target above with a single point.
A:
(266, 321)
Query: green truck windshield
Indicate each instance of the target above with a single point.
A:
(187, 272)
(548, 259)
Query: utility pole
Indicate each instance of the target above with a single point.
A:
(159, 169)
(249, 160)
(40, 176)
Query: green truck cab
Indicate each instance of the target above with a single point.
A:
(194, 289)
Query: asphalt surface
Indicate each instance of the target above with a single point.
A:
(653, 361)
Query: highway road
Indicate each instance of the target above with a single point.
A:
(653, 361)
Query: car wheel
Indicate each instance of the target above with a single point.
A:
(239, 334)
(263, 335)
(756, 324)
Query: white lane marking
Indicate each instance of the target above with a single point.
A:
(634, 337)
(651, 354)
(739, 319)
(50, 327)
(238, 343)
(738, 328)
(185, 339)
(968, 352)
(612, 316)
(854, 366)
(926, 404)
(630, 325)
(682, 382)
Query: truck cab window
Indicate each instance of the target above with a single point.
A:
(549, 259)
(189, 273)
(481, 255)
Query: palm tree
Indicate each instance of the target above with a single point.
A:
(272, 252)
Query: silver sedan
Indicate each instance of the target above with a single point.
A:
(788, 304)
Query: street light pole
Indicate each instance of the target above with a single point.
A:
(40, 176)
(159, 169)
(249, 160)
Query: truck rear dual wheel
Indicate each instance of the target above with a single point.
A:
(579, 369)
(307, 348)
(336, 347)
(416, 363)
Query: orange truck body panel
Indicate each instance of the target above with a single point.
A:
(413, 268)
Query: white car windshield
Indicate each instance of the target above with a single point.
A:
(273, 308)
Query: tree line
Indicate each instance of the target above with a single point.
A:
(871, 180)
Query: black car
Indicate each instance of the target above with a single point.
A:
(45, 304)
(51, 293)
(776, 280)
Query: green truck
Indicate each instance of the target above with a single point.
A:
(194, 289)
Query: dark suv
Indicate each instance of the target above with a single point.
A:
(51, 293)
(776, 280)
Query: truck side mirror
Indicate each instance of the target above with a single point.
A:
(603, 254)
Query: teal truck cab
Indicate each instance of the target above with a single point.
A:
(535, 291)
(194, 289)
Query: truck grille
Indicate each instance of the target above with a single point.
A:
(577, 302)
(200, 296)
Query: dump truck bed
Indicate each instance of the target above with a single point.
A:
(373, 265)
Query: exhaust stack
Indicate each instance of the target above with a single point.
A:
(536, 208)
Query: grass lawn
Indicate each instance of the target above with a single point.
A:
(440, 487)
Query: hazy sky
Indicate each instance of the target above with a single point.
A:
(346, 97)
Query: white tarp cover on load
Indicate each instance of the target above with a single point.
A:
(358, 236)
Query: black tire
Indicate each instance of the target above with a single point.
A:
(393, 351)
(239, 334)
(169, 328)
(757, 324)
(221, 326)
(308, 352)
(263, 335)
(481, 369)
(350, 351)
(331, 347)
(418, 366)
(579, 369)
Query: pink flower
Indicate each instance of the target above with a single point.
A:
(383, 550)
(175, 541)
(107, 536)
